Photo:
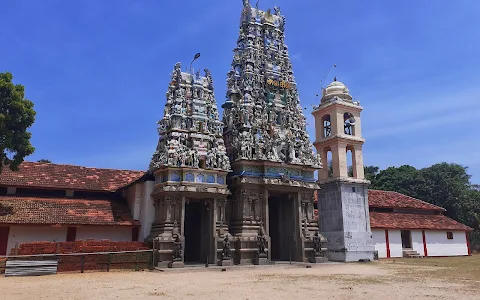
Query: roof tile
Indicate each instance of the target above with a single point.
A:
(414, 221)
(64, 211)
(53, 176)
(389, 199)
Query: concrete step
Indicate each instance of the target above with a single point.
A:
(411, 254)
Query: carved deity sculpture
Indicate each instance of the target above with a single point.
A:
(262, 70)
(177, 248)
(191, 122)
(317, 243)
(226, 249)
(261, 240)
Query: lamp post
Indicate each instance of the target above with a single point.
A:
(197, 56)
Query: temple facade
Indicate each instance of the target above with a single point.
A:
(240, 190)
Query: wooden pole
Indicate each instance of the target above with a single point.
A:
(82, 268)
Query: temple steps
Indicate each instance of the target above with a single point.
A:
(410, 253)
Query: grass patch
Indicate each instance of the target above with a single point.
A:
(449, 268)
(342, 279)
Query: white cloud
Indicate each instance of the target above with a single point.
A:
(420, 111)
(297, 57)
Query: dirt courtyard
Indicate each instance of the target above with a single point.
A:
(440, 278)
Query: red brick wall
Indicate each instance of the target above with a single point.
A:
(78, 247)
(90, 262)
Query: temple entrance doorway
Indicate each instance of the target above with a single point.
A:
(282, 229)
(197, 232)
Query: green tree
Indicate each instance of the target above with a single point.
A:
(371, 173)
(16, 116)
(404, 179)
(43, 160)
(447, 185)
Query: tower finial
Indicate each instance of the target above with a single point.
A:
(335, 78)
(246, 3)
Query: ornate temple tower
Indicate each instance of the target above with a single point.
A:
(271, 155)
(343, 198)
(190, 166)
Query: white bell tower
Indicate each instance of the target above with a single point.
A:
(343, 199)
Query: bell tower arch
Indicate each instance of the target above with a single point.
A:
(343, 198)
(338, 130)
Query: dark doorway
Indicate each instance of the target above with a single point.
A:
(282, 227)
(197, 232)
(406, 236)
(4, 240)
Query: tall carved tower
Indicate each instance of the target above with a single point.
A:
(272, 157)
(343, 198)
(190, 166)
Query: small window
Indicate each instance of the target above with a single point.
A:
(354, 189)
(449, 235)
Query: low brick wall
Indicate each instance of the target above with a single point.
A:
(77, 247)
(102, 262)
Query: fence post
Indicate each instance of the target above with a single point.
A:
(83, 264)
(136, 261)
(150, 261)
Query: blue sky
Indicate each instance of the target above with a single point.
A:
(98, 71)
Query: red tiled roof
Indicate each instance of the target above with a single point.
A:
(414, 221)
(53, 176)
(396, 200)
(64, 211)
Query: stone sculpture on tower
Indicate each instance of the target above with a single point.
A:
(190, 165)
(270, 152)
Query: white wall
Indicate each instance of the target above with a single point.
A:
(115, 234)
(395, 242)
(379, 241)
(147, 210)
(395, 238)
(27, 234)
(439, 245)
(417, 241)
(134, 196)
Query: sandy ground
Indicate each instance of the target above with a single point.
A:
(379, 280)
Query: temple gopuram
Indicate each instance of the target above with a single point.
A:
(272, 183)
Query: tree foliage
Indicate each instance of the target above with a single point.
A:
(371, 172)
(45, 161)
(16, 116)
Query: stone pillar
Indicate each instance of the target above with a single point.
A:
(323, 173)
(182, 216)
(223, 253)
(357, 162)
(344, 220)
(266, 221)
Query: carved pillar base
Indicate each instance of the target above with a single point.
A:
(261, 259)
(176, 264)
(225, 262)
